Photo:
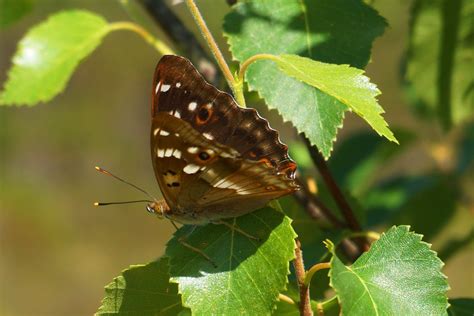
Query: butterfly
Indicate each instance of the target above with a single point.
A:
(212, 158)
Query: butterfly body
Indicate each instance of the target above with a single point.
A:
(212, 159)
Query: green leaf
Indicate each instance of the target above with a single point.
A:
(248, 275)
(331, 31)
(461, 307)
(342, 82)
(399, 275)
(142, 290)
(440, 60)
(13, 10)
(49, 53)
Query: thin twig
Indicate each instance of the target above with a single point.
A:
(193, 9)
(315, 207)
(334, 189)
(183, 39)
(305, 299)
(351, 248)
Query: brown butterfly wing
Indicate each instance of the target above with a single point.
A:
(180, 89)
(207, 165)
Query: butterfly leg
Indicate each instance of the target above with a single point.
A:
(182, 241)
(236, 228)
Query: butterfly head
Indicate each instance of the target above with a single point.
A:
(159, 208)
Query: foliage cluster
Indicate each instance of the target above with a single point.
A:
(304, 59)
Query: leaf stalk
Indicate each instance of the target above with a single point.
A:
(250, 60)
(159, 45)
(319, 266)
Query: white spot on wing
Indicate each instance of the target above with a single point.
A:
(226, 155)
(178, 84)
(208, 136)
(192, 106)
(210, 152)
(157, 88)
(177, 114)
(164, 133)
(155, 132)
(244, 192)
(165, 87)
(168, 152)
(191, 168)
(158, 85)
(160, 153)
(223, 184)
(177, 154)
(193, 150)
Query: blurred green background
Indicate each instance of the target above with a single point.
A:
(57, 250)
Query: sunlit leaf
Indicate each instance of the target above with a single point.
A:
(332, 31)
(248, 274)
(48, 54)
(346, 84)
(399, 275)
(142, 290)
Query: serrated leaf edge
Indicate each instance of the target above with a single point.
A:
(110, 285)
(273, 107)
(382, 235)
(275, 300)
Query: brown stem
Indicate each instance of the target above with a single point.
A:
(183, 40)
(305, 300)
(334, 189)
(315, 207)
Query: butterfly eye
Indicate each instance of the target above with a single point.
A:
(150, 209)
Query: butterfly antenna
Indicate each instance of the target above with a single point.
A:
(122, 202)
(126, 182)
